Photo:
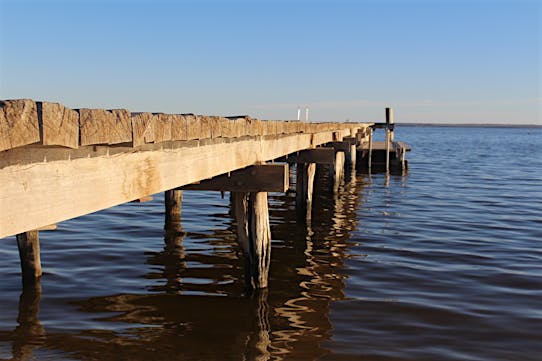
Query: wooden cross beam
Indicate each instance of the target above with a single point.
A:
(256, 178)
(324, 155)
(340, 146)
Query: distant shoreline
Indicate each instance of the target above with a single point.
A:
(473, 125)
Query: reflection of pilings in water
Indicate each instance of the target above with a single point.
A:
(29, 334)
(259, 341)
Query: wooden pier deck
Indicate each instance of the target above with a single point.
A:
(58, 163)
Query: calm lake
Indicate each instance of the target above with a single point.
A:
(443, 263)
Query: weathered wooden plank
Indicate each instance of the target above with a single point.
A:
(192, 126)
(120, 126)
(18, 123)
(99, 126)
(142, 128)
(94, 126)
(178, 127)
(123, 175)
(256, 178)
(323, 155)
(162, 127)
(50, 227)
(143, 199)
(60, 125)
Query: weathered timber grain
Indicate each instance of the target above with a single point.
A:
(179, 129)
(18, 123)
(99, 126)
(142, 128)
(254, 236)
(162, 127)
(59, 125)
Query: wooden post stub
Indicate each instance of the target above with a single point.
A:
(173, 200)
(254, 236)
(29, 252)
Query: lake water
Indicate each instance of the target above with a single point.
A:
(444, 263)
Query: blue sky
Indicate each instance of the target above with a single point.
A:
(433, 61)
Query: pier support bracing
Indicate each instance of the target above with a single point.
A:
(29, 252)
(254, 235)
(304, 189)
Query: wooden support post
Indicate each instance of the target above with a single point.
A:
(173, 200)
(369, 161)
(29, 252)
(304, 189)
(337, 172)
(387, 150)
(390, 122)
(254, 236)
(351, 157)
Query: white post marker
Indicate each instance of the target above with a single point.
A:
(307, 114)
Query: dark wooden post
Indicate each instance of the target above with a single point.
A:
(304, 189)
(29, 252)
(369, 161)
(254, 235)
(173, 200)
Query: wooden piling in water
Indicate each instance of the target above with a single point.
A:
(337, 171)
(254, 236)
(370, 150)
(173, 200)
(304, 189)
(29, 252)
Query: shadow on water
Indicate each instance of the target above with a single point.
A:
(197, 308)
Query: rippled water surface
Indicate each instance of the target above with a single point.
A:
(444, 263)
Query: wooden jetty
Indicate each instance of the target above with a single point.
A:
(58, 163)
(383, 156)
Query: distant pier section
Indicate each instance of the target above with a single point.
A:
(58, 163)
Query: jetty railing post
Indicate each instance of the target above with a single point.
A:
(304, 189)
(29, 252)
(173, 200)
(254, 236)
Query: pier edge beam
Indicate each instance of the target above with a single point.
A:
(304, 188)
(254, 236)
(173, 200)
(337, 171)
(29, 253)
